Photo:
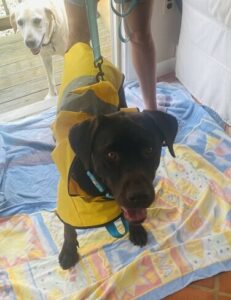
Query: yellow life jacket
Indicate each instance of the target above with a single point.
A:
(81, 97)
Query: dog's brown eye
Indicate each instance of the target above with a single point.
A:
(20, 22)
(113, 156)
(37, 21)
(148, 151)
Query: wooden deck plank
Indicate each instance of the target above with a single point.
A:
(30, 86)
(13, 52)
(9, 39)
(20, 78)
(21, 65)
(5, 23)
(32, 98)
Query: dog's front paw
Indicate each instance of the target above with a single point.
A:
(51, 98)
(68, 256)
(138, 235)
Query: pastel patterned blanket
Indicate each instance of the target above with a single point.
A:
(189, 227)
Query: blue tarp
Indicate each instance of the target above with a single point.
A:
(28, 176)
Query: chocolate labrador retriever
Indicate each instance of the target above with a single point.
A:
(123, 151)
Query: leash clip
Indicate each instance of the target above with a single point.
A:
(100, 74)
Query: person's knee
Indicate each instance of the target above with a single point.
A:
(78, 23)
(141, 39)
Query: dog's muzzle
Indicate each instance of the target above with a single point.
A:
(136, 199)
(31, 44)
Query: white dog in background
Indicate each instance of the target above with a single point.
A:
(44, 28)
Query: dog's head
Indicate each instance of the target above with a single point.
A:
(34, 21)
(123, 150)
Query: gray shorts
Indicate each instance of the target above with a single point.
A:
(82, 2)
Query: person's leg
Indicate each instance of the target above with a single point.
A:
(143, 50)
(77, 22)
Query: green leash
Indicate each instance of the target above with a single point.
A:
(93, 28)
(98, 61)
(91, 8)
(126, 13)
(122, 15)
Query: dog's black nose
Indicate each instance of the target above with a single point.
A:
(30, 43)
(139, 199)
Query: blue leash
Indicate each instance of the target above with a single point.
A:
(111, 228)
(129, 10)
(122, 16)
(98, 61)
(91, 9)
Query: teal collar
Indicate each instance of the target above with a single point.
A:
(100, 187)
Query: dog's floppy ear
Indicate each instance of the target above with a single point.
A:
(50, 14)
(81, 138)
(167, 125)
(13, 22)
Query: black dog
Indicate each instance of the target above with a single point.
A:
(123, 151)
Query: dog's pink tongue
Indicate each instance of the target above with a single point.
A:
(35, 51)
(135, 214)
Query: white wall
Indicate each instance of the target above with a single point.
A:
(165, 28)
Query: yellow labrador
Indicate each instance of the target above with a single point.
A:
(44, 28)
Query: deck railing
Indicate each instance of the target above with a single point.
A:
(5, 20)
